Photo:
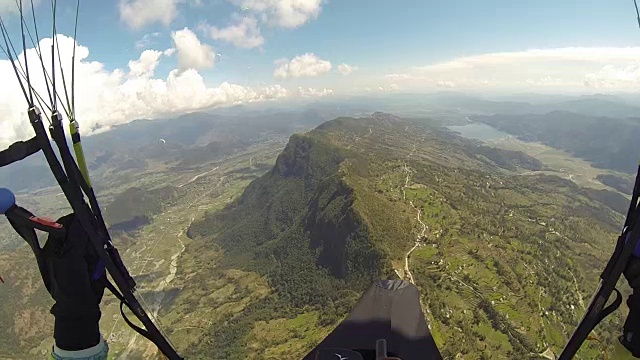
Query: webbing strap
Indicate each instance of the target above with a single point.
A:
(18, 151)
(29, 235)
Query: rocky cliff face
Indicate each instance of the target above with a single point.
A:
(305, 203)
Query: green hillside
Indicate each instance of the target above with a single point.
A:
(135, 206)
(505, 263)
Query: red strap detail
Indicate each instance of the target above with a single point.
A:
(46, 222)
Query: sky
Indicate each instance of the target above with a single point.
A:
(153, 58)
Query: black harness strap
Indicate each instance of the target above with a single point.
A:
(18, 151)
(25, 224)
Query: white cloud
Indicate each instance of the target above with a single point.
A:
(345, 69)
(446, 84)
(545, 81)
(561, 68)
(138, 13)
(577, 55)
(128, 95)
(243, 32)
(282, 13)
(306, 65)
(390, 88)
(192, 54)
(312, 92)
(146, 40)
(145, 66)
(10, 6)
(611, 76)
(401, 77)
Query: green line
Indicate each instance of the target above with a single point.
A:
(77, 148)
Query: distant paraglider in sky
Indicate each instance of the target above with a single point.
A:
(162, 141)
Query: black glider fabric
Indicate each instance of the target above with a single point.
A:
(77, 281)
(390, 310)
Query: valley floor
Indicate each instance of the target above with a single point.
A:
(154, 257)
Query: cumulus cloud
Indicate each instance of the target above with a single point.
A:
(306, 65)
(192, 54)
(345, 69)
(129, 95)
(243, 32)
(145, 66)
(312, 92)
(561, 68)
(282, 13)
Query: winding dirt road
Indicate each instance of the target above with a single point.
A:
(422, 233)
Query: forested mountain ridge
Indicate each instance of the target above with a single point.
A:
(306, 196)
(504, 261)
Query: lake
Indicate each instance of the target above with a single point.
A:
(479, 131)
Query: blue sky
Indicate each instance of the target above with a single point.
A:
(151, 54)
(374, 34)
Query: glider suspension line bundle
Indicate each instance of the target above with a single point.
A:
(71, 175)
(624, 260)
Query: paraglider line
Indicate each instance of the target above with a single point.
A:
(44, 70)
(54, 4)
(7, 51)
(24, 53)
(47, 78)
(73, 62)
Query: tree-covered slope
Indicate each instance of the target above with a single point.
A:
(299, 224)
